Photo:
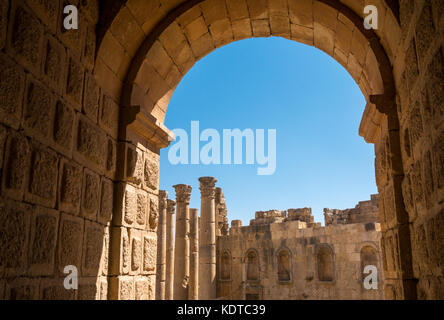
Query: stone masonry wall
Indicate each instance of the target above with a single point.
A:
(346, 242)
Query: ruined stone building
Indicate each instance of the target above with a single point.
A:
(286, 255)
(82, 116)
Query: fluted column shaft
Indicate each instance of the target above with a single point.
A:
(182, 247)
(169, 281)
(161, 246)
(193, 289)
(207, 239)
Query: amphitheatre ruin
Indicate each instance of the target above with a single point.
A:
(82, 116)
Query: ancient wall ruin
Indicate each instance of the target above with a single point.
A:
(285, 255)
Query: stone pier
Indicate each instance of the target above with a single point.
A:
(207, 238)
(161, 246)
(169, 281)
(193, 289)
(182, 248)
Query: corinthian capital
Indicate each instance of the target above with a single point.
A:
(207, 187)
(183, 193)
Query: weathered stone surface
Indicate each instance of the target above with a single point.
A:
(55, 63)
(149, 252)
(12, 83)
(46, 10)
(43, 177)
(26, 37)
(70, 242)
(91, 97)
(151, 172)
(17, 161)
(142, 206)
(14, 235)
(74, 88)
(90, 194)
(70, 187)
(43, 240)
(91, 144)
(63, 128)
(22, 289)
(154, 213)
(54, 290)
(92, 249)
(38, 111)
(109, 116)
(106, 201)
(4, 6)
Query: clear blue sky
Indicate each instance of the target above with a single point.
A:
(315, 107)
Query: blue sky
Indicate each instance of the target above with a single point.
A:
(315, 107)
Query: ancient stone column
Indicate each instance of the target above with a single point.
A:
(207, 239)
(182, 247)
(161, 246)
(193, 288)
(169, 281)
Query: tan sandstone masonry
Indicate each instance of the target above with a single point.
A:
(101, 99)
(182, 242)
(285, 255)
(169, 287)
(207, 238)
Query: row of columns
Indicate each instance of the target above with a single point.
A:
(186, 261)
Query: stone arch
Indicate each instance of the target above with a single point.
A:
(252, 265)
(138, 26)
(325, 263)
(225, 266)
(284, 265)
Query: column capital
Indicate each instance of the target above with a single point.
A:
(207, 187)
(183, 193)
(171, 206)
(163, 197)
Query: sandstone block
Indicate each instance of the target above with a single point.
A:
(46, 10)
(12, 84)
(91, 97)
(53, 289)
(154, 213)
(4, 6)
(158, 57)
(38, 114)
(109, 116)
(151, 171)
(25, 37)
(221, 32)
(120, 248)
(14, 236)
(74, 87)
(213, 10)
(106, 201)
(70, 187)
(237, 9)
(122, 288)
(90, 47)
(42, 187)
(16, 166)
(89, 289)
(91, 144)
(258, 9)
(241, 29)
(261, 28)
(70, 242)
(136, 250)
(111, 158)
(149, 252)
(22, 289)
(202, 46)
(54, 63)
(64, 122)
(142, 209)
(90, 194)
(93, 249)
(280, 26)
(43, 240)
(324, 38)
(301, 12)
